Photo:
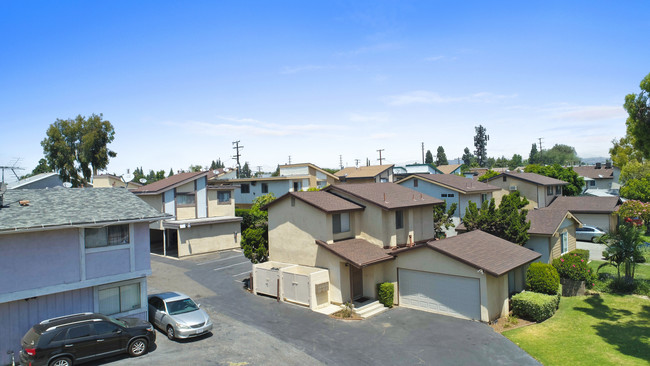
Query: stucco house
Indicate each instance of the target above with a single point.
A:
(592, 211)
(292, 178)
(365, 234)
(203, 217)
(366, 174)
(67, 251)
(538, 189)
(113, 181)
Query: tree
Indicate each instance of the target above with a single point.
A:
(501, 162)
(560, 154)
(480, 143)
(623, 249)
(576, 182)
(623, 152)
(171, 172)
(429, 158)
(533, 157)
(468, 158)
(276, 173)
(255, 238)
(196, 168)
(637, 189)
(245, 171)
(634, 170)
(217, 165)
(441, 157)
(443, 220)
(638, 121)
(489, 174)
(138, 174)
(635, 209)
(77, 148)
(516, 161)
(508, 221)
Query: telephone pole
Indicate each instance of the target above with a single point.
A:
(289, 159)
(341, 161)
(540, 149)
(423, 153)
(356, 162)
(237, 155)
(380, 158)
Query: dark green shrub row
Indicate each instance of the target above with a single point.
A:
(574, 267)
(385, 293)
(542, 278)
(534, 306)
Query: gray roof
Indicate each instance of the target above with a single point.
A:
(33, 179)
(531, 177)
(57, 207)
(455, 182)
(388, 196)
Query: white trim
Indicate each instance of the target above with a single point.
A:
(82, 255)
(25, 294)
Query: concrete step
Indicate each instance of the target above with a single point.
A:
(374, 312)
(370, 309)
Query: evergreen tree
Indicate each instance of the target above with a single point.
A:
(429, 158)
(276, 173)
(533, 157)
(480, 143)
(245, 171)
(171, 172)
(508, 221)
(441, 157)
(467, 157)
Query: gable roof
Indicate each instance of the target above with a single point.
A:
(593, 173)
(547, 221)
(586, 204)
(449, 168)
(454, 182)
(311, 166)
(169, 183)
(388, 196)
(35, 178)
(72, 207)
(358, 252)
(362, 171)
(532, 178)
(321, 200)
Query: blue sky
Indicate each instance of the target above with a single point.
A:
(315, 80)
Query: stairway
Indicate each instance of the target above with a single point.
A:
(369, 308)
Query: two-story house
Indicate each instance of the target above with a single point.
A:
(538, 189)
(401, 172)
(599, 179)
(203, 217)
(68, 251)
(366, 174)
(365, 234)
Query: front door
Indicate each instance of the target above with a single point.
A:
(356, 282)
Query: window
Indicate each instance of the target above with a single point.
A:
(119, 299)
(399, 219)
(447, 195)
(565, 242)
(105, 236)
(296, 186)
(105, 328)
(185, 199)
(484, 197)
(549, 190)
(79, 331)
(265, 188)
(341, 223)
(245, 188)
(558, 190)
(415, 182)
(223, 197)
(504, 178)
(592, 183)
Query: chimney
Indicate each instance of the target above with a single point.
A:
(598, 166)
(608, 165)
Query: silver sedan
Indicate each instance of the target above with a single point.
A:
(178, 315)
(589, 233)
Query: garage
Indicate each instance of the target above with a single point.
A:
(440, 293)
(600, 221)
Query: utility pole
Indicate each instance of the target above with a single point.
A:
(237, 155)
(341, 161)
(423, 153)
(289, 159)
(540, 149)
(356, 162)
(380, 158)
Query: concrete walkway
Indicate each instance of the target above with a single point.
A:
(595, 250)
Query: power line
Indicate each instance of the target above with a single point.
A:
(237, 155)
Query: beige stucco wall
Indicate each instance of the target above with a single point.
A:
(216, 209)
(186, 188)
(208, 238)
(528, 190)
(154, 201)
(497, 296)
(185, 212)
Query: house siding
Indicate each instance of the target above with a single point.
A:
(200, 239)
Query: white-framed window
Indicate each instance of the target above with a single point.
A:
(107, 236)
(484, 197)
(119, 298)
(565, 242)
(558, 190)
(341, 223)
(223, 197)
(186, 199)
(592, 183)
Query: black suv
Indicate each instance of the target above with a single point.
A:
(83, 337)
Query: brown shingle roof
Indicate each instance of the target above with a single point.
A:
(481, 250)
(322, 200)
(385, 195)
(586, 204)
(447, 169)
(593, 173)
(546, 221)
(531, 177)
(456, 182)
(167, 183)
(362, 171)
(358, 252)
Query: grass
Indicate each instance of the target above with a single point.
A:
(642, 271)
(604, 329)
(606, 281)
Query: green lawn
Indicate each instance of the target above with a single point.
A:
(590, 330)
(642, 271)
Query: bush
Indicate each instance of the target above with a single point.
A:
(385, 293)
(582, 253)
(534, 306)
(247, 218)
(542, 278)
(573, 267)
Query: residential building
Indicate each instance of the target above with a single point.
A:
(538, 189)
(365, 234)
(599, 180)
(113, 181)
(68, 251)
(410, 169)
(366, 174)
(38, 181)
(203, 217)
(552, 232)
(450, 168)
(599, 212)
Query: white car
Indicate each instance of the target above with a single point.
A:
(178, 315)
(589, 233)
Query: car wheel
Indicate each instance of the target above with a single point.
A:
(170, 332)
(61, 361)
(594, 239)
(138, 347)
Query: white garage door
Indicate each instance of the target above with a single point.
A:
(440, 293)
(597, 220)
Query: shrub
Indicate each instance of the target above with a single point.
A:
(385, 293)
(534, 306)
(247, 218)
(582, 253)
(573, 267)
(542, 278)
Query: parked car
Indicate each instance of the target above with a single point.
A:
(178, 315)
(589, 233)
(78, 338)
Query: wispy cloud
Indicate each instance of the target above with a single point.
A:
(593, 113)
(252, 127)
(381, 136)
(427, 97)
(434, 58)
(382, 47)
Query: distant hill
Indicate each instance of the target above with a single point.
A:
(592, 161)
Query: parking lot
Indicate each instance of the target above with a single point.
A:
(257, 330)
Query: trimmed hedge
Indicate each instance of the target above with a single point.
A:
(385, 293)
(534, 306)
(542, 278)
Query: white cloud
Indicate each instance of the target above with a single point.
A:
(593, 113)
(357, 117)
(434, 58)
(427, 97)
(305, 68)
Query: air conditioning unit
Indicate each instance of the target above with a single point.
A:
(513, 188)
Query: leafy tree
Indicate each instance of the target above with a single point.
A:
(255, 238)
(638, 121)
(560, 154)
(171, 172)
(77, 148)
(443, 220)
(428, 157)
(634, 209)
(489, 163)
(637, 189)
(480, 143)
(623, 249)
(533, 157)
(508, 221)
(195, 168)
(276, 173)
(623, 152)
(331, 171)
(576, 183)
(245, 171)
(634, 170)
(501, 162)
(441, 157)
(489, 174)
(138, 174)
(468, 158)
(516, 161)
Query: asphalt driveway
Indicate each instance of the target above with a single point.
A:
(257, 330)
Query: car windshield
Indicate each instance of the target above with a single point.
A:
(119, 322)
(181, 306)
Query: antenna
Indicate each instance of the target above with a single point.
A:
(356, 162)
(142, 180)
(13, 167)
(237, 155)
(341, 161)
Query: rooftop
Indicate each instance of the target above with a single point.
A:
(449, 168)
(546, 221)
(362, 171)
(388, 196)
(531, 177)
(593, 173)
(321, 200)
(168, 183)
(586, 204)
(455, 182)
(358, 252)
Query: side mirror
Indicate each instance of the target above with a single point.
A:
(198, 306)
